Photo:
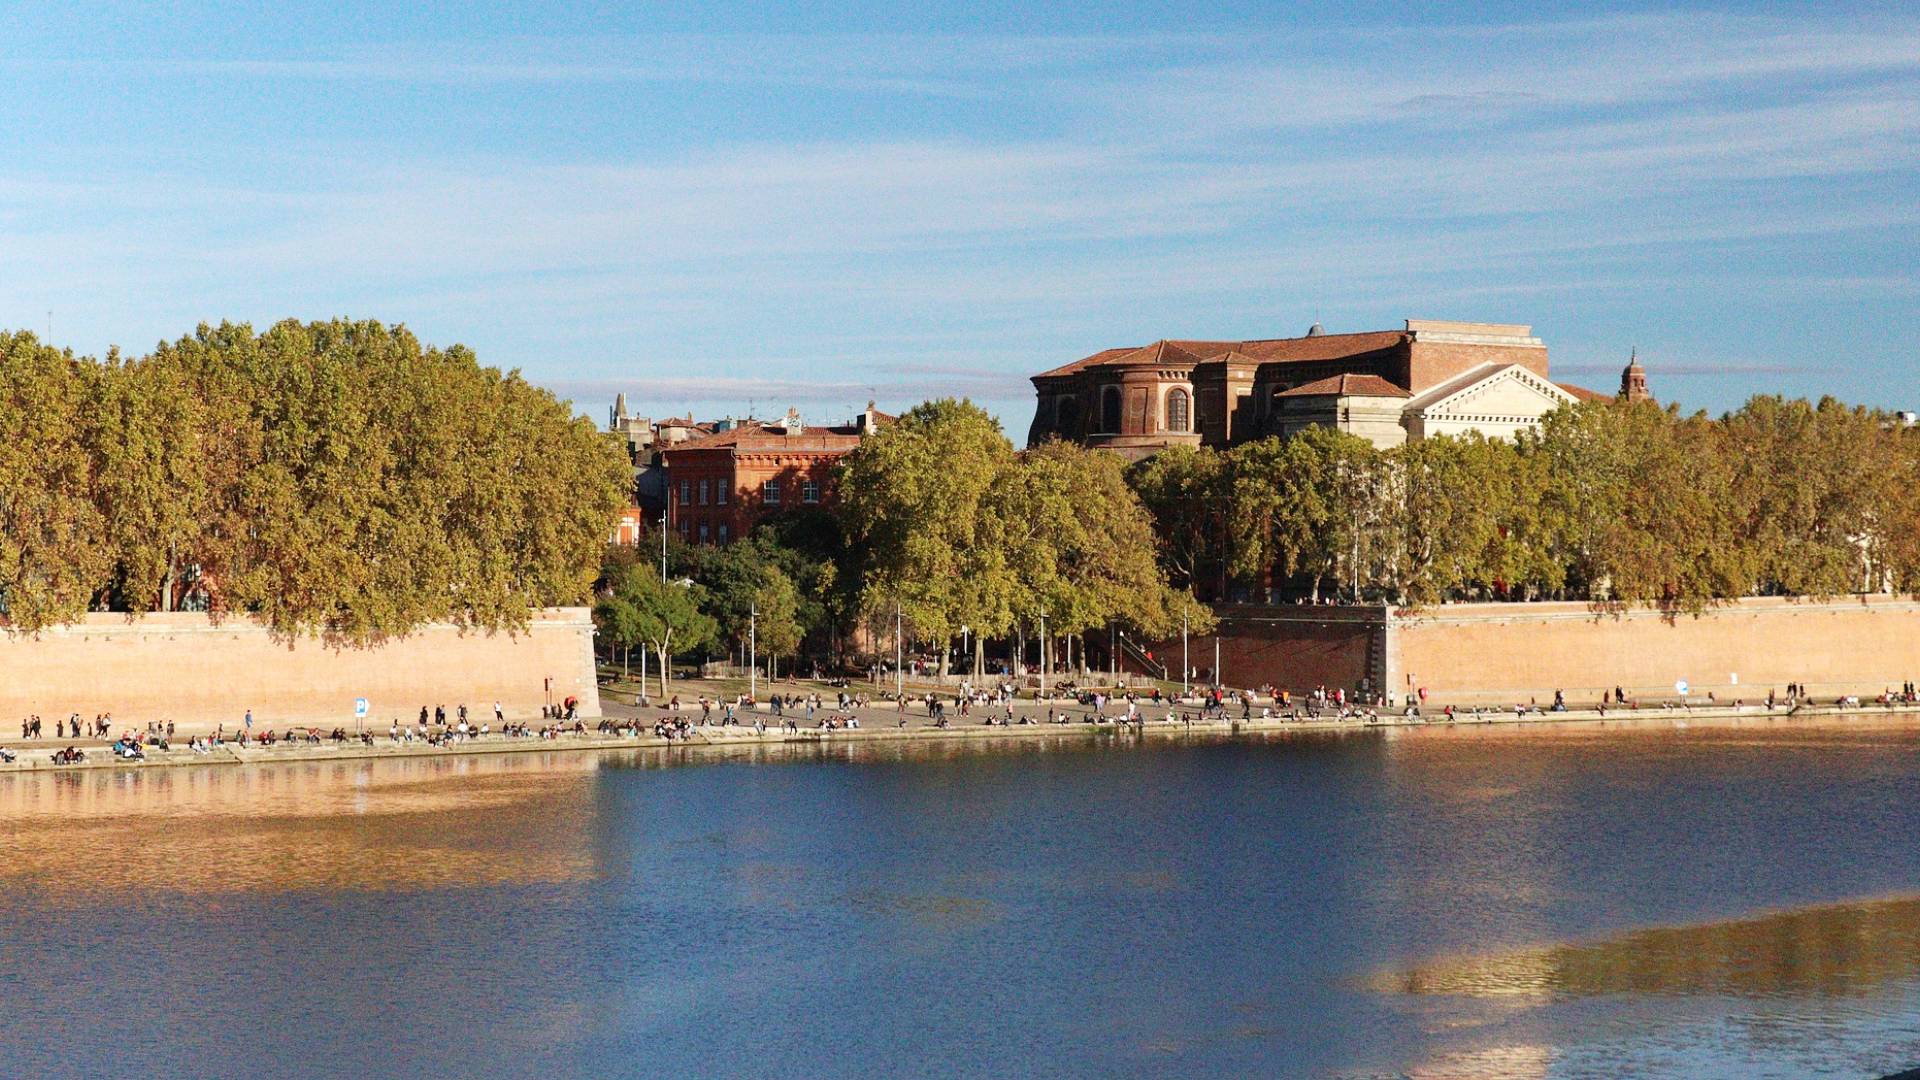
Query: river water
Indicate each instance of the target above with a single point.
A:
(1494, 902)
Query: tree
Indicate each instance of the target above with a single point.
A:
(810, 547)
(1083, 546)
(336, 478)
(1188, 491)
(384, 484)
(1305, 505)
(1638, 505)
(916, 496)
(53, 558)
(743, 578)
(617, 621)
(664, 615)
(1082, 543)
(1455, 510)
(777, 614)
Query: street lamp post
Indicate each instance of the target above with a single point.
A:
(1043, 654)
(753, 650)
(899, 658)
(1183, 654)
(663, 542)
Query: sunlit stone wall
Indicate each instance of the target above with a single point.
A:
(1504, 653)
(185, 667)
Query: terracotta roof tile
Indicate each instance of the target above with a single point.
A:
(1321, 346)
(1087, 361)
(1581, 393)
(1347, 386)
(1193, 351)
(757, 436)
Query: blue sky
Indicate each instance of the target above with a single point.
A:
(712, 205)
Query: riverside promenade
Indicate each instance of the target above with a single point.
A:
(880, 724)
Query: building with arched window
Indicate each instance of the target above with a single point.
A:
(1178, 413)
(1429, 377)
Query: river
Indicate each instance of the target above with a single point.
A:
(1588, 900)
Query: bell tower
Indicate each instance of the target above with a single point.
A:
(1633, 380)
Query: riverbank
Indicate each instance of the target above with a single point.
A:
(882, 725)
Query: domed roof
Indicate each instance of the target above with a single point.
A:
(1315, 330)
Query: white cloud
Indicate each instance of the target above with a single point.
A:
(1207, 174)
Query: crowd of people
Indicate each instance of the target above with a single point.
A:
(997, 705)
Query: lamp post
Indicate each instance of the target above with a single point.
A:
(663, 541)
(899, 658)
(1183, 653)
(1043, 654)
(753, 647)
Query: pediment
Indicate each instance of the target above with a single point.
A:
(1509, 391)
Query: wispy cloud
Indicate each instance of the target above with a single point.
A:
(1154, 177)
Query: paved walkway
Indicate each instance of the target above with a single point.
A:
(883, 724)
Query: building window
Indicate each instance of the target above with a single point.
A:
(1177, 418)
(1110, 409)
(703, 532)
(770, 492)
(720, 493)
(1067, 418)
(809, 491)
(705, 486)
(686, 493)
(723, 532)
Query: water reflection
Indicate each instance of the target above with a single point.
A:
(1831, 950)
(397, 824)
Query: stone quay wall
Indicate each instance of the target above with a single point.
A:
(1502, 654)
(181, 666)
(1507, 653)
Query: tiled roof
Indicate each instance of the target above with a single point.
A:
(1346, 386)
(1087, 361)
(1187, 351)
(1321, 346)
(1581, 393)
(755, 436)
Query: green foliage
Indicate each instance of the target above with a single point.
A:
(666, 616)
(1614, 502)
(54, 557)
(337, 478)
(918, 508)
(1188, 492)
(1081, 544)
(1305, 505)
(740, 578)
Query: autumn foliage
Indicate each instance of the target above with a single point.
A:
(338, 478)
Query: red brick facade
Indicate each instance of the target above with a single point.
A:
(1219, 393)
(721, 485)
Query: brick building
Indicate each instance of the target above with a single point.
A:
(1389, 386)
(720, 484)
